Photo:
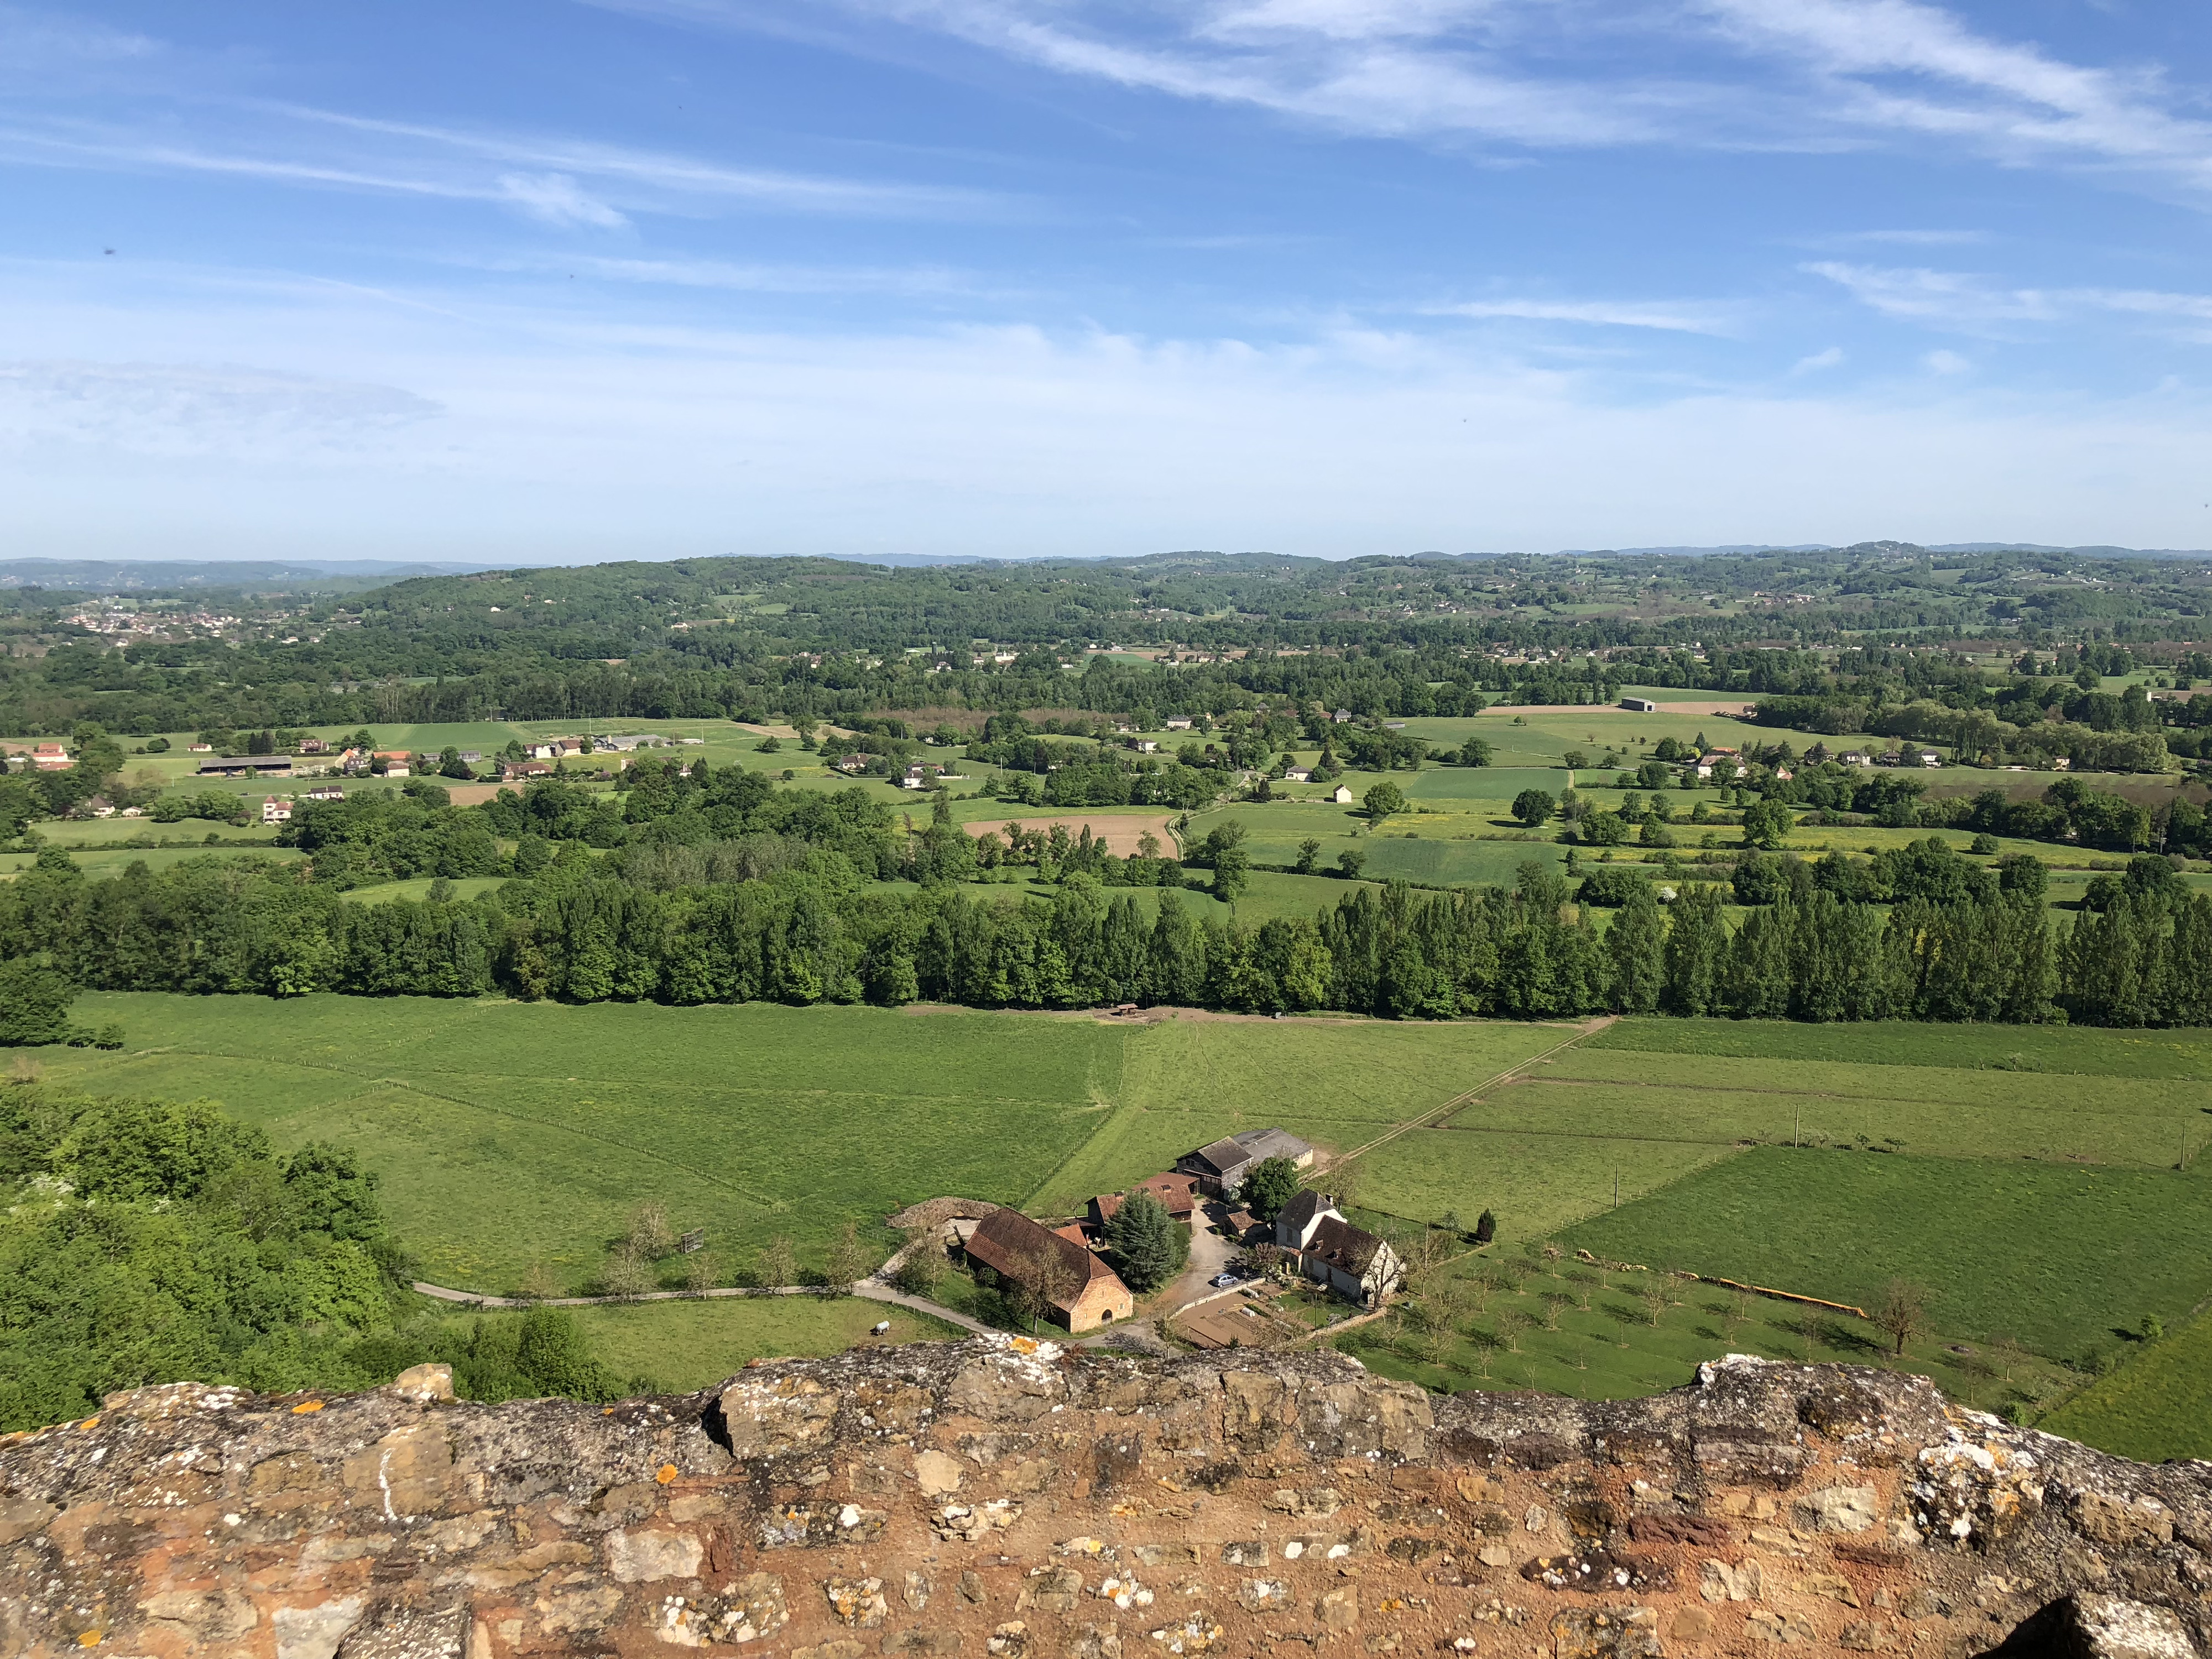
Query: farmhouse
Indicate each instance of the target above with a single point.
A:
(1298, 775)
(49, 757)
(622, 742)
(277, 809)
(1639, 705)
(326, 792)
(1351, 1261)
(1177, 1194)
(1178, 723)
(1221, 1167)
(1083, 1290)
(512, 771)
(1343, 795)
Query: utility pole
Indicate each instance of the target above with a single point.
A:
(1797, 1127)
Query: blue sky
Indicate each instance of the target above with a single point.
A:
(649, 278)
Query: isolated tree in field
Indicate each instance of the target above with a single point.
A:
(849, 1259)
(1766, 823)
(1308, 850)
(650, 1236)
(1272, 1183)
(779, 1264)
(1382, 800)
(1350, 863)
(1533, 807)
(1485, 1228)
(626, 1274)
(699, 1273)
(1901, 1314)
(1474, 752)
(1149, 1244)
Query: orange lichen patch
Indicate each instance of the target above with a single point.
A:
(664, 1474)
(1025, 1345)
(89, 1639)
(89, 1423)
(307, 1406)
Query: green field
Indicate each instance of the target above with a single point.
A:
(2158, 1404)
(511, 1135)
(683, 1345)
(1508, 1322)
(2064, 1259)
(2026, 1176)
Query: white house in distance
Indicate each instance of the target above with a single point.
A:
(277, 809)
(1343, 795)
(1351, 1261)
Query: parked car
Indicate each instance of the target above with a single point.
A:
(1223, 1281)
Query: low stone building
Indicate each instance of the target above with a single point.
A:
(1084, 1292)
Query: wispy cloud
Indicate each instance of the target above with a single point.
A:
(1819, 360)
(1913, 238)
(1975, 303)
(735, 277)
(1774, 74)
(192, 409)
(1604, 314)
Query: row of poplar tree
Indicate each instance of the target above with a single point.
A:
(585, 930)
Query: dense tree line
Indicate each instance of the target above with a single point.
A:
(1921, 935)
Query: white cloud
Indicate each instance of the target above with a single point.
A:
(1664, 315)
(179, 410)
(1946, 363)
(553, 198)
(364, 424)
(1960, 298)
(1914, 238)
(1776, 74)
(1819, 360)
(1975, 304)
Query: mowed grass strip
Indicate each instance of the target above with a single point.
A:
(2058, 1257)
(2144, 1124)
(2073, 1049)
(2157, 1405)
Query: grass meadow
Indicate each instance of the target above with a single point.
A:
(2158, 1404)
(2065, 1259)
(2025, 1176)
(1510, 1321)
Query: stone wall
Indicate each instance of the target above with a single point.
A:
(1003, 1500)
